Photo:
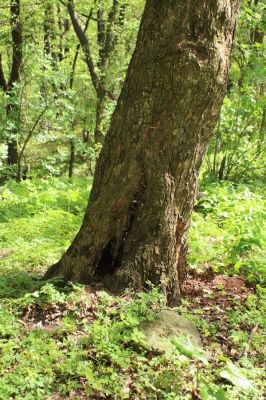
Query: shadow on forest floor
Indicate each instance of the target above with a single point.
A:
(15, 284)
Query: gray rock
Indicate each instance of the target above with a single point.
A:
(168, 325)
(5, 253)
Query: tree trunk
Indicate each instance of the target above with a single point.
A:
(71, 158)
(12, 115)
(222, 168)
(12, 109)
(98, 133)
(47, 27)
(12, 152)
(135, 226)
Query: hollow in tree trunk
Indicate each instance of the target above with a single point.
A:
(136, 223)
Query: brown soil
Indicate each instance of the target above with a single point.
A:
(218, 289)
(213, 298)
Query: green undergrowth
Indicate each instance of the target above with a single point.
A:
(59, 341)
(68, 343)
(38, 219)
(228, 232)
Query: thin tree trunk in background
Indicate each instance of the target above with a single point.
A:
(107, 36)
(11, 110)
(100, 107)
(12, 150)
(47, 27)
(12, 144)
(71, 83)
(257, 33)
(135, 226)
(71, 159)
(51, 49)
(222, 168)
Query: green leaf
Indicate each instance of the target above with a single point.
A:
(208, 393)
(234, 375)
(185, 346)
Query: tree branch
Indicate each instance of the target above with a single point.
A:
(27, 140)
(84, 44)
(71, 80)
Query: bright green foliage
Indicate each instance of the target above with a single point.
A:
(45, 82)
(238, 148)
(31, 197)
(234, 375)
(39, 218)
(228, 230)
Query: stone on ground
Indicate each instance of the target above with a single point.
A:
(168, 325)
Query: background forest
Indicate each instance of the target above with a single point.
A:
(62, 66)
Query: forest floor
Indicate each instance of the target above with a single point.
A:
(62, 341)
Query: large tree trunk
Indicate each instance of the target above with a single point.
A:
(136, 223)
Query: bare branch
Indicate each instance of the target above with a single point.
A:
(84, 43)
(71, 80)
(27, 140)
(64, 4)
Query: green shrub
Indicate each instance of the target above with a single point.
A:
(228, 231)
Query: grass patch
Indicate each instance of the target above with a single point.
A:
(39, 218)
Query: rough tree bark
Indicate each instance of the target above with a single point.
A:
(136, 222)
